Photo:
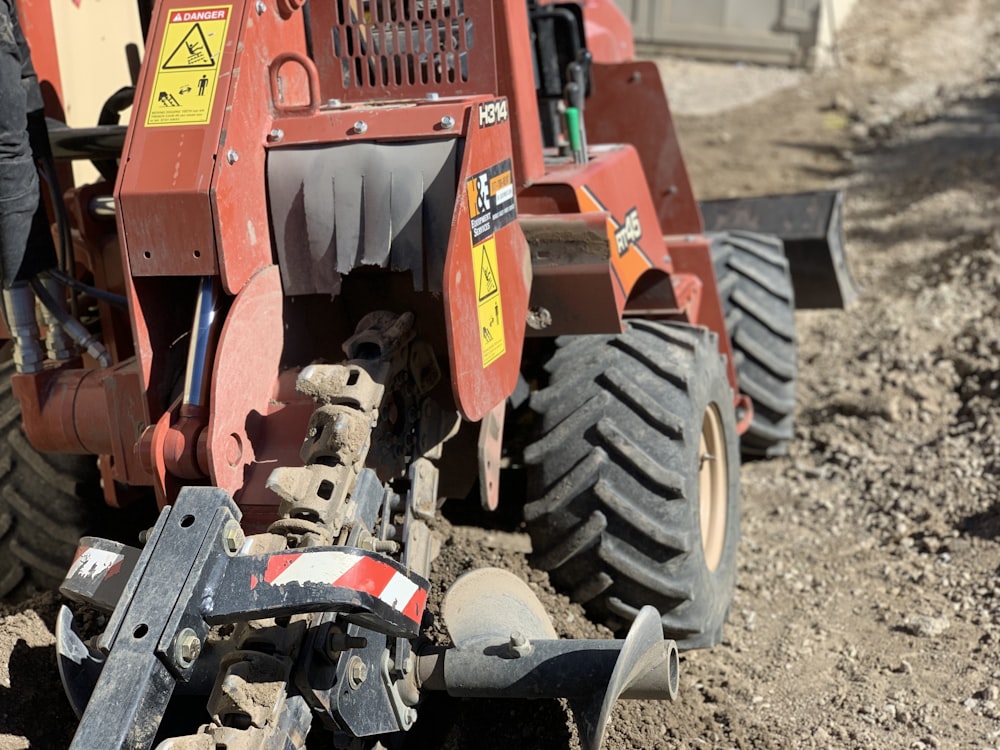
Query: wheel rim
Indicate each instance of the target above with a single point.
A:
(713, 487)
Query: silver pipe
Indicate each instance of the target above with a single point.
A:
(551, 669)
(201, 350)
(73, 327)
(19, 311)
(102, 206)
(58, 344)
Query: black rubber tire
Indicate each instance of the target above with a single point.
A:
(47, 502)
(759, 304)
(616, 470)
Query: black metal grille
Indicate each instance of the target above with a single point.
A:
(402, 47)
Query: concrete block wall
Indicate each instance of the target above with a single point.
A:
(783, 32)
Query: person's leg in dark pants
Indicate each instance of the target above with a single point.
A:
(18, 178)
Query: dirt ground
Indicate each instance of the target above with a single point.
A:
(867, 613)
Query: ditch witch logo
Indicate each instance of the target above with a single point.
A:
(629, 233)
(491, 201)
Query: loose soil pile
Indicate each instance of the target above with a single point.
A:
(868, 608)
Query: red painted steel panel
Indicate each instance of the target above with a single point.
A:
(191, 194)
(239, 198)
(166, 223)
(514, 57)
(608, 183)
(276, 442)
(412, 120)
(638, 251)
(245, 378)
(609, 33)
(571, 261)
(482, 375)
(99, 411)
(628, 105)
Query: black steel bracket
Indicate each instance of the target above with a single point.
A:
(191, 575)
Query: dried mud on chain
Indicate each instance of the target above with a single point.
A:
(868, 607)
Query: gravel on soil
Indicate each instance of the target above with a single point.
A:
(867, 613)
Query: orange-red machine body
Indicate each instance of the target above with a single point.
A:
(251, 123)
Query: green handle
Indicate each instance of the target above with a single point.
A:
(573, 127)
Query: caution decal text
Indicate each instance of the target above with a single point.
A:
(491, 335)
(187, 68)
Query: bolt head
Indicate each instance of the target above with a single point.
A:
(232, 538)
(519, 645)
(260, 7)
(276, 135)
(447, 122)
(409, 664)
(539, 318)
(357, 672)
(361, 127)
(232, 157)
(187, 647)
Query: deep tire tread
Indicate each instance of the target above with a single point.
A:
(637, 463)
(582, 477)
(657, 530)
(762, 314)
(632, 394)
(580, 539)
(614, 469)
(639, 570)
(776, 365)
(590, 590)
(755, 286)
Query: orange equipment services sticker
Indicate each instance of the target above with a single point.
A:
(187, 68)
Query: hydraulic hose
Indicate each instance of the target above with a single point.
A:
(115, 300)
(74, 328)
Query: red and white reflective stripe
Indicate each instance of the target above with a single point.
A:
(92, 562)
(318, 567)
(346, 570)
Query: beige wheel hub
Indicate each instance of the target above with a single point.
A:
(713, 487)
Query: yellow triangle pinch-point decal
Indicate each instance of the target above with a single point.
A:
(187, 67)
(486, 279)
(490, 306)
(193, 52)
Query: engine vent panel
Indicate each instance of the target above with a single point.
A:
(403, 49)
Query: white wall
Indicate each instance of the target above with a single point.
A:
(832, 17)
(90, 38)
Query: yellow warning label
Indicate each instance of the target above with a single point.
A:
(187, 68)
(484, 266)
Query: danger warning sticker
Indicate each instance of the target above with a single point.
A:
(491, 336)
(187, 68)
(491, 200)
